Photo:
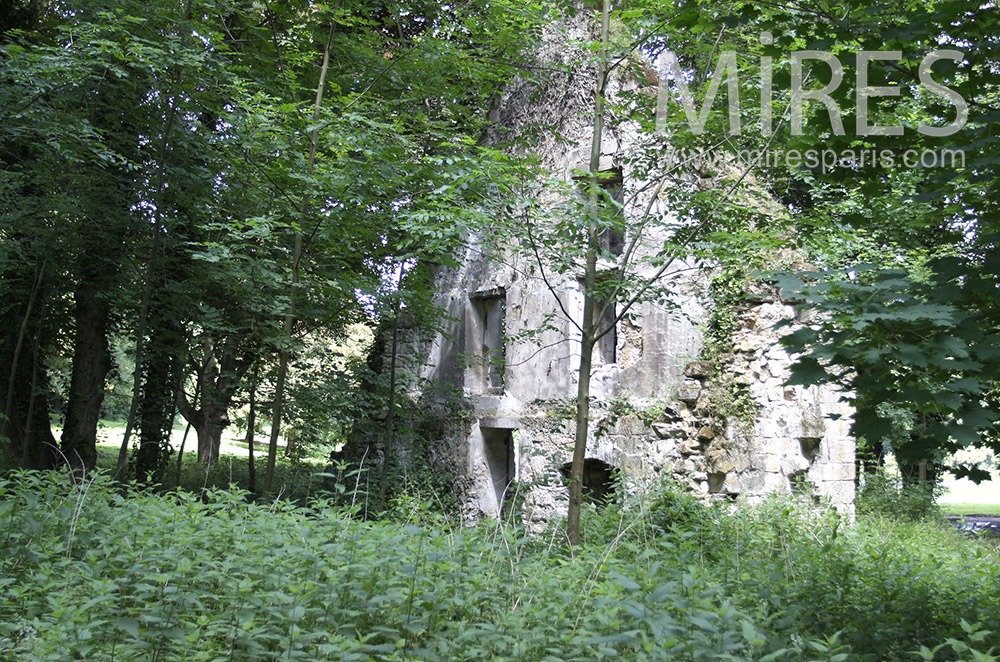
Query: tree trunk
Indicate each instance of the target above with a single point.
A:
(279, 385)
(217, 380)
(582, 428)
(209, 425)
(251, 424)
(91, 363)
(587, 327)
(26, 440)
(39, 455)
(165, 358)
(7, 420)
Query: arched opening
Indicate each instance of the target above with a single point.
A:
(600, 480)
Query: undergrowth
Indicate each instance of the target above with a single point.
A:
(102, 572)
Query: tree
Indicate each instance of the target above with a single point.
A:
(631, 220)
(895, 167)
(920, 336)
(156, 183)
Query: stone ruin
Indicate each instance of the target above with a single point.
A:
(654, 410)
(655, 399)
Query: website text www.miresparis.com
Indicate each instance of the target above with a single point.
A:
(824, 160)
(673, 83)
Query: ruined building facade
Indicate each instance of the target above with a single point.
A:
(504, 423)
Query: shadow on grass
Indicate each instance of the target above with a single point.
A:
(295, 480)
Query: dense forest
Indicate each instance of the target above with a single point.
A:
(220, 212)
(200, 200)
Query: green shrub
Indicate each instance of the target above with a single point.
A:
(885, 495)
(97, 571)
(887, 586)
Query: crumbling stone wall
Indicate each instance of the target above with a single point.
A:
(798, 440)
(517, 433)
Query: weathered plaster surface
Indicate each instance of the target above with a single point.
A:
(798, 439)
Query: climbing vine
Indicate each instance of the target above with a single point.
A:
(728, 396)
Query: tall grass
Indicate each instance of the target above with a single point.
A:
(94, 571)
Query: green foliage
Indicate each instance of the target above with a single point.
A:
(727, 292)
(622, 405)
(561, 409)
(155, 154)
(904, 291)
(109, 572)
(921, 344)
(729, 398)
(882, 495)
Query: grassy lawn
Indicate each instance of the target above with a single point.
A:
(992, 509)
(294, 479)
(963, 497)
(110, 433)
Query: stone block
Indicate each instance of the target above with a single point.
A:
(833, 472)
(793, 464)
(839, 492)
(669, 431)
(500, 423)
(706, 433)
(839, 450)
(698, 369)
(689, 447)
(813, 426)
(716, 482)
(743, 378)
(775, 483)
(724, 466)
(488, 402)
(684, 467)
(630, 424)
(689, 394)
(664, 447)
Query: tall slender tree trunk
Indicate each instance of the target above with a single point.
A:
(30, 416)
(180, 455)
(140, 335)
(588, 328)
(91, 363)
(390, 418)
(158, 402)
(251, 433)
(279, 384)
(43, 455)
(25, 433)
(8, 410)
(152, 270)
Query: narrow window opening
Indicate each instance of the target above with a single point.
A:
(500, 463)
(612, 199)
(491, 314)
(606, 350)
(604, 314)
(612, 238)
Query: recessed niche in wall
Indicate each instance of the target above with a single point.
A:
(499, 446)
(489, 312)
(600, 480)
